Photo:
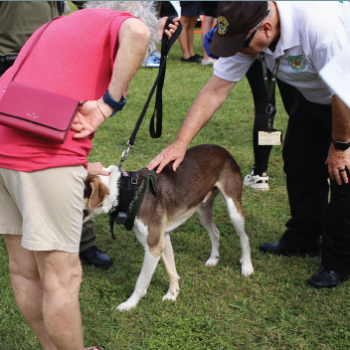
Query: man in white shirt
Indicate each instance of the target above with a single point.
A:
(304, 36)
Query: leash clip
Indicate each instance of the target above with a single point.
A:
(125, 153)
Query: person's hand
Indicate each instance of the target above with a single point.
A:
(89, 118)
(176, 151)
(168, 31)
(337, 161)
(97, 169)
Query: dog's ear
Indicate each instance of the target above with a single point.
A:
(98, 192)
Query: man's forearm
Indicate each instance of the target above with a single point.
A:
(341, 120)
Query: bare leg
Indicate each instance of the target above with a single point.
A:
(61, 275)
(207, 24)
(28, 288)
(186, 21)
(190, 35)
(169, 262)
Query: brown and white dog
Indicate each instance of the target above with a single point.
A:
(205, 171)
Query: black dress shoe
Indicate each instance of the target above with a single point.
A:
(191, 59)
(196, 56)
(94, 256)
(281, 248)
(324, 278)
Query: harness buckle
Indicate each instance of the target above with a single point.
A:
(133, 181)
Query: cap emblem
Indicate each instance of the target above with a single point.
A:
(222, 25)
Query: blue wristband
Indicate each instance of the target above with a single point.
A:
(117, 106)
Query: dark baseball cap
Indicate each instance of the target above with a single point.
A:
(235, 20)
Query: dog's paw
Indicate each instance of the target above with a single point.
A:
(171, 296)
(125, 306)
(212, 261)
(247, 268)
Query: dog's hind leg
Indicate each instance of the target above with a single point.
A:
(169, 262)
(206, 216)
(235, 212)
(150, 263)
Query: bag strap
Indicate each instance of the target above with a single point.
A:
(32, 46)
(158, 109)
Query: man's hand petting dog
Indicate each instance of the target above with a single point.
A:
(174, 152)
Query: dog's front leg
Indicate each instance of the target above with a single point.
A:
(149, 265)
(169, 262)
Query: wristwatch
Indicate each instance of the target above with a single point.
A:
(117, 106)
(341, 145)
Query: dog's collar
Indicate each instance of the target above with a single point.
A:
(130, 200)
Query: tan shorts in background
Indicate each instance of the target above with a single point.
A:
(45, 207)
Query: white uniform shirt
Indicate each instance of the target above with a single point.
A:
(336, 74)
(311, 33)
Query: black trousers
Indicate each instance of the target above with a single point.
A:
(306, 145)
(256, 82)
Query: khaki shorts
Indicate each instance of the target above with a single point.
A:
(45, 207)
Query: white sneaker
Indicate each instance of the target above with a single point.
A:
(207, 62)
(257, 182)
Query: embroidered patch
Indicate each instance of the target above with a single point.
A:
(297, 63)
(222, 26)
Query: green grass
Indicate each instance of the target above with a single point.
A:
(217, 308)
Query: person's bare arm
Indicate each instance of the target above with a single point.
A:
(338, 159)
(211, 97)
(133, 39)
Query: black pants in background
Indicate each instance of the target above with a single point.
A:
(306, 146)
(256, 82)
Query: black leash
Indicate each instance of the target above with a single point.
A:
(158, 108)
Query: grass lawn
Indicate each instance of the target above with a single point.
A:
(217, 308)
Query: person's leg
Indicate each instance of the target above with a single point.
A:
(88, 237)
(336, 229)
(189, 16)
(305, 151)
(207, 25)
(28, 288)
(256, 82)
(335, 262)
(51, 229)
(61, 276)
(210, 11)
(89, 253)
(186, 21)
(190, 35)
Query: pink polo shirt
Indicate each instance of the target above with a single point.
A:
(74, 58)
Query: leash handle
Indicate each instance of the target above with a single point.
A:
(158, 110)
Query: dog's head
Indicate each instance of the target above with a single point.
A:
(101, 193)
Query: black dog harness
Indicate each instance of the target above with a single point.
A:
(130, 200)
